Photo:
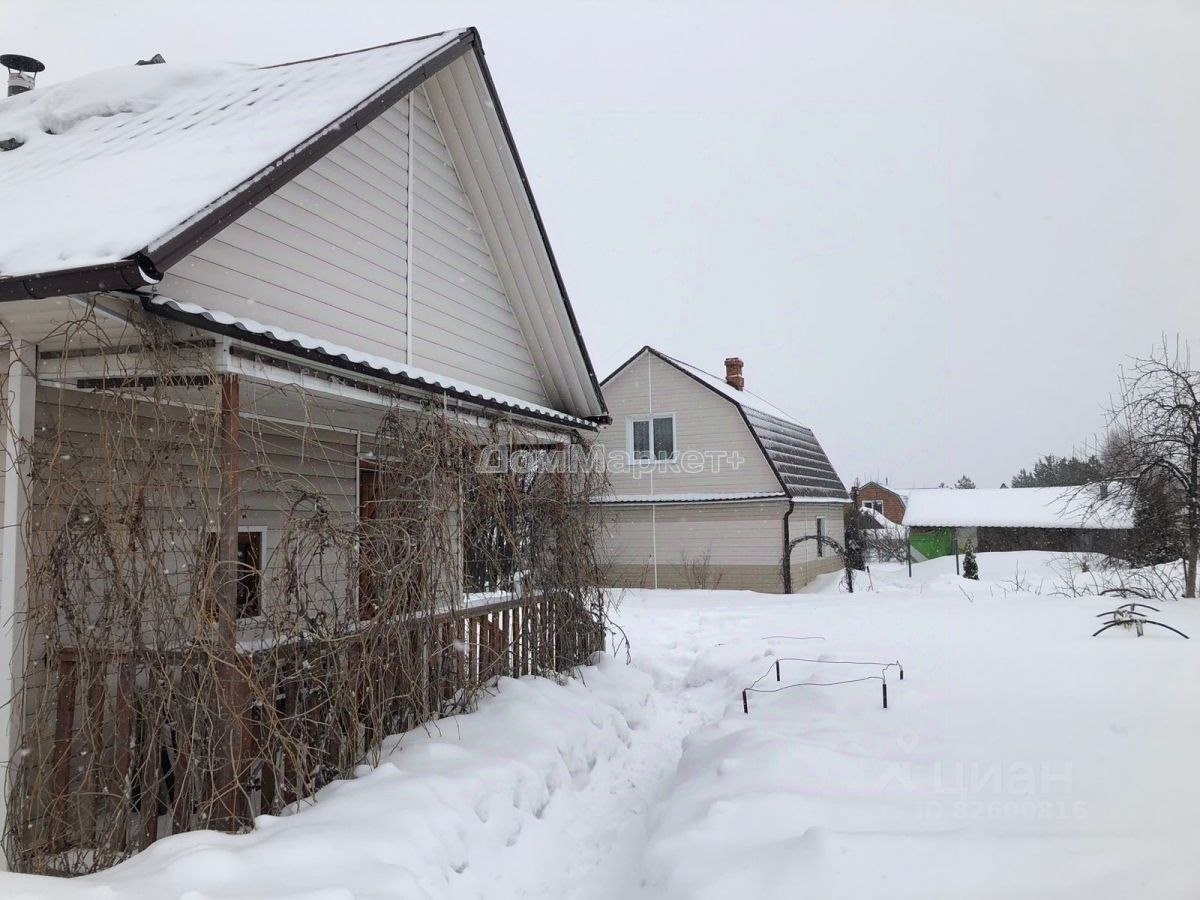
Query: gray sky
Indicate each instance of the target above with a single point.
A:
(932, 230)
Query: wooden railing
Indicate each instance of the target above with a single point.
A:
(122, 774)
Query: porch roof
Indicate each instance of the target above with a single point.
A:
(335, 354)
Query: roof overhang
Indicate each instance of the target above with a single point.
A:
(302, 347)
(145, 267)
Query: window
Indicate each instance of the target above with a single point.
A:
(876, 505)
(820, 537)
(249, 572)
(652, 437)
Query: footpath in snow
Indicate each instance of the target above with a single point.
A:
(1020, 757)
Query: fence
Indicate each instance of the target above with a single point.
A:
(124, 775)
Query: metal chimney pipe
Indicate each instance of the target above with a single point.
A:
(22, 72)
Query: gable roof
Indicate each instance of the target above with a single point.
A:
(900, 494)
(791, 449)
(1053, 507)
(134, 161)
(119, 175)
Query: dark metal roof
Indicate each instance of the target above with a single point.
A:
(796, 456)
(792, 450)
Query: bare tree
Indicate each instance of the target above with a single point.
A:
(1156, 438)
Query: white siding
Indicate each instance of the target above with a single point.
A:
(704, 421)
(464, 325)
(327, 256)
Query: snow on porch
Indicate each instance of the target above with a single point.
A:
(1020, 757)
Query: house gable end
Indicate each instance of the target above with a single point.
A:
(327, 255)
(709, 429)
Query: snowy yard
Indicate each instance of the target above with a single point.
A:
(1019, 757)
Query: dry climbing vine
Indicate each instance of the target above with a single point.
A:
(167, 688)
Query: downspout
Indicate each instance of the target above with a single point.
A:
(653, 506)
(408, 266)
(787, 553)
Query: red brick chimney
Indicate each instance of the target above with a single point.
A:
(733, 373)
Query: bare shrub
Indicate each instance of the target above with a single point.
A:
(699, 572)
(173, 681)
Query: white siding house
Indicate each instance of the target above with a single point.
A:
(711, 483)
(327, 242)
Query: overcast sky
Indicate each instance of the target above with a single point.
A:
(931, 230)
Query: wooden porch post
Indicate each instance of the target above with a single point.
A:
(232, 680)
(21, 390)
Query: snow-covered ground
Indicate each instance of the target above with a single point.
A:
(1019, 757)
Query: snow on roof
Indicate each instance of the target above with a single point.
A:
(1056, 507)
(743, 398)
(881, 521)
(119, 160)
(791, 448)
(412, 374)
(690, 498)
(901, 492)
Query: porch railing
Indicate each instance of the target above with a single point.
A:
(121, 776)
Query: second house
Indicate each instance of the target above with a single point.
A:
(711, 484)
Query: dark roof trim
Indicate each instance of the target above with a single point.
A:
(157, 258)
(123, 275)
(621, 368)
(262, 184)
(295, 350)
(709, 387)
(537, 217)
(739, 407)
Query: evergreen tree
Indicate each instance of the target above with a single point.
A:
(965, 484)
(970, 568)
(1060, 471)
(852, 529)
(1156, 537)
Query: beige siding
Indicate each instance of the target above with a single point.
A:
(704, 422)
(741, 542)
(727, 545)
(806, 561)
(327, 256)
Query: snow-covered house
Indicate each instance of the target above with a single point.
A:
(1064, 519)
(711, 484)
(294, 257)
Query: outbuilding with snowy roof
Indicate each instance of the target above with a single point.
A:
(1084, 518)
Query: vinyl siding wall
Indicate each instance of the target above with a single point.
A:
(736, 545)
(327, 256)
(806, 562)
(743, 544)
(704, 421)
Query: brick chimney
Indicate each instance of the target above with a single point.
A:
(733, 373)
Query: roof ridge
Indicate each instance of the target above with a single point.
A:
(784, 414)
(423, 37)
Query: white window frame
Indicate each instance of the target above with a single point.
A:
(650, 417)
